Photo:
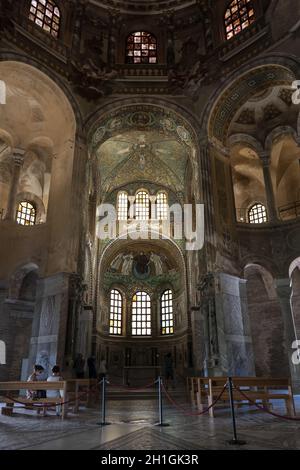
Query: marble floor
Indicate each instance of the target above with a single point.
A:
(133, 428)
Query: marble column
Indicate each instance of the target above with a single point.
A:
(271, 204)
(18, 159)
(284, 292)
(205, 170)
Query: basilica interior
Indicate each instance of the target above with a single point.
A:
(142, 105)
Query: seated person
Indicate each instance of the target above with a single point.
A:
(55, 377)
(35, 377)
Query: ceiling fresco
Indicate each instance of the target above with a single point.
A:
(145, 156)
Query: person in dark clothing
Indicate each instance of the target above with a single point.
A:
(92, 367)
(79, 366)
(169, 370)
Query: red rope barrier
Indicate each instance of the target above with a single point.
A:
(186, 412)
(132, 388)
(49, 405)
(262, 408)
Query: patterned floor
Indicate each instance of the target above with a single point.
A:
(133, 428)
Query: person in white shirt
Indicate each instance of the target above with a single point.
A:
(55, 377)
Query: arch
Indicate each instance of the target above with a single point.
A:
(266, 322)
(141, 48)
(18, 277)
(38, 66)
(278, 133)
(250, 79)
(293, 266)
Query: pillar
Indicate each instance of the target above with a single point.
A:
(271, 204)
(18, 159)
(284, 292)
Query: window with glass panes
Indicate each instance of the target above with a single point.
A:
(141, 48)
(46, 14)
(239, 16)
(115, 316)
(123, 206)
(162, 206)
(141, 314)
(26, 213)
(142, 206)
(167, 315)
(258, 214)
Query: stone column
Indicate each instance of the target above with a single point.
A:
(131, 200)
(233, 326)
(272, 211)
(112, 37)
(284, 292)
(18, 159)
(152, 200)
(205, 169)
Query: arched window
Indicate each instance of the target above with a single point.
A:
(141, 48)
(167, 315)
(239, 16)
(115, 313)
(142, 206)
(141, 314)
(162, 206)
(123, 206)
(26, 213)
(258, 214)
(46, 14)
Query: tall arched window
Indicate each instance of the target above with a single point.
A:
(142, 206)
(257, 214)
(141, 314)
(115, 313)
(123, 206)
(239, 16)
(162, 206)
(167, 315)
(46, 14)
(141, 48)
(26, 213)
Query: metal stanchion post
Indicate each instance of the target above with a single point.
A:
(160, 404)
(235, 441)
(103, 404)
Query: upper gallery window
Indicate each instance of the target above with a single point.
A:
(46, 14)
(239, 16)
(142, 206)
(162, 206)
(115, 315)
(167, 316)
(141, 48)
(141, 314)
(123, 206)
(258, 214)
(26, 214)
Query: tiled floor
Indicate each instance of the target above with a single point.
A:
(133, 427)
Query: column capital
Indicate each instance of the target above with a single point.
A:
(18, 156)
(283, 287)
(265, 157)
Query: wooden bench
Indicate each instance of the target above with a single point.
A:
(10, 394)
(205, 390)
